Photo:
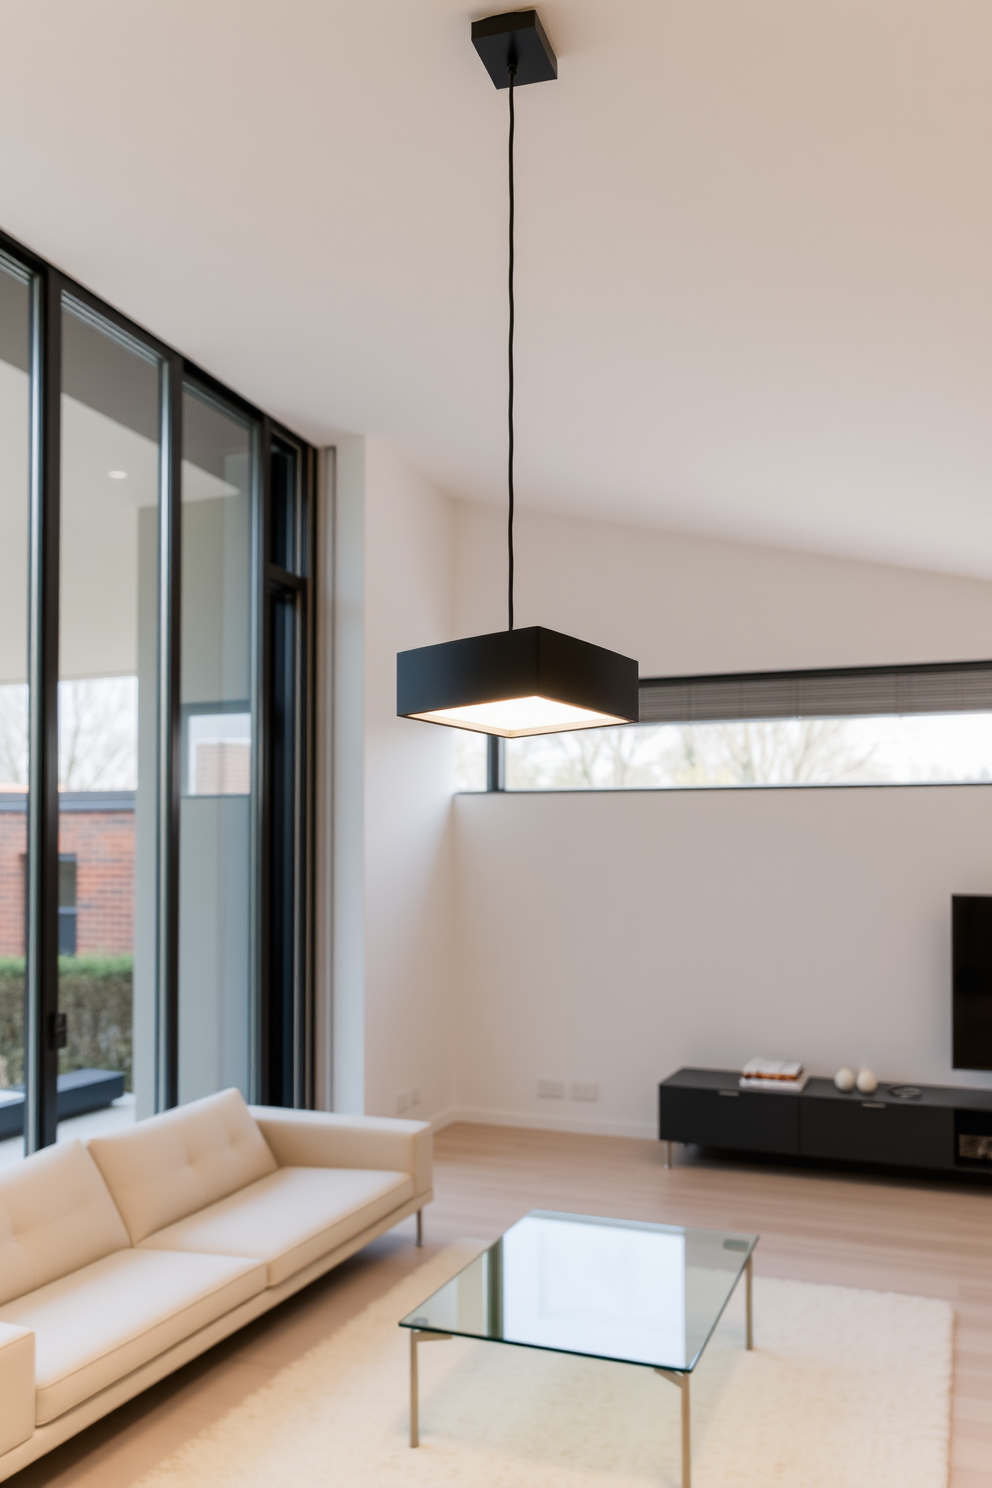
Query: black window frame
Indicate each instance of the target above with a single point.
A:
(270, 993)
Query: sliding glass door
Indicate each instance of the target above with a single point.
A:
(155, 712)
(108, 687)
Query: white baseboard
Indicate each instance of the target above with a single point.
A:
(538, 1121)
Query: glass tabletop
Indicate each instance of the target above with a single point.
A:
(608, 1288)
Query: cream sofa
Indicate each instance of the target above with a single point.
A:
(125, 1257)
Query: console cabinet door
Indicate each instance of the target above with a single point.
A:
(746, 1120)
(863, 1130)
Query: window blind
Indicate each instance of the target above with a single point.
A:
(954, 687)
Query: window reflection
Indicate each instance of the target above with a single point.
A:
(621, 1289)
(600, 1289)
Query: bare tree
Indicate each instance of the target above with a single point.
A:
(589, 759)
(770, 752)
(98, 734)
(809, 751)
(14, 734)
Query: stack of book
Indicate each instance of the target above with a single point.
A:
(772, 1074)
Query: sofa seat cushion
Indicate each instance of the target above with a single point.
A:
(100, 1323)
(289, 1219)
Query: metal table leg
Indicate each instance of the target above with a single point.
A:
(750, 1311)
(420, 1226)
(682, 1380)
(668, 1154)
(418, 1336)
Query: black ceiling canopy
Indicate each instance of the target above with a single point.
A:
(515, 39)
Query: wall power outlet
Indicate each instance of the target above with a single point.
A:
(551, 1089)
(585, 1090)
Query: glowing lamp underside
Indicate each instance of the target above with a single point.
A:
(512, 718)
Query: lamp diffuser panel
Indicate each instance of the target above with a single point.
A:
(517, 682)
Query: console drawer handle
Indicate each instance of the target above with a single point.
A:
(873, 1105)
(732, 1093)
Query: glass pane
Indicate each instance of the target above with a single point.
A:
(108, 647)
(899, 749)
(215, 920)
(14, 493)
(609, 1288)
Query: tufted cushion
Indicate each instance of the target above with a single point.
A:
(175, 1164)
(55, 1216)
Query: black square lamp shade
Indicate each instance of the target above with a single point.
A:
(517, 682)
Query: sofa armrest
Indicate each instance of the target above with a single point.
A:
(317, 1139)
(16, 1386)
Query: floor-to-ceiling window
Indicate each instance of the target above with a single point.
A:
(215, 861)
(15, 355)
(108, 676)
(154, 725)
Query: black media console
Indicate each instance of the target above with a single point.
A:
(939, 1128)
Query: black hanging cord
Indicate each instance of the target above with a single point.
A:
(509, 474)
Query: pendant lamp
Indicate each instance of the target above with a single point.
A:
(532, 680)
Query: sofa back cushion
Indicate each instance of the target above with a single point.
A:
(55, 1216)
(169, 1166)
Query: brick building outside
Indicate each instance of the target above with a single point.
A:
(96, 853)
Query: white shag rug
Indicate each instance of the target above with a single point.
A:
(842, 1386)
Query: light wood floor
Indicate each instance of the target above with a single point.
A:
(928, 1238)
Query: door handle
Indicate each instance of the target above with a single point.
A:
(732, 1093)
(873, 1105)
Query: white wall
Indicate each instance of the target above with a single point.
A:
(684, 604)
(614, 937)
(611, 937)
(393, 858)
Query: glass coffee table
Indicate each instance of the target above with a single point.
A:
(645, 1294)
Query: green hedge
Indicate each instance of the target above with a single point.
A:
(95, 993)
(11, 1022)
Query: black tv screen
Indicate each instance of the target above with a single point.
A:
(971, 962)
